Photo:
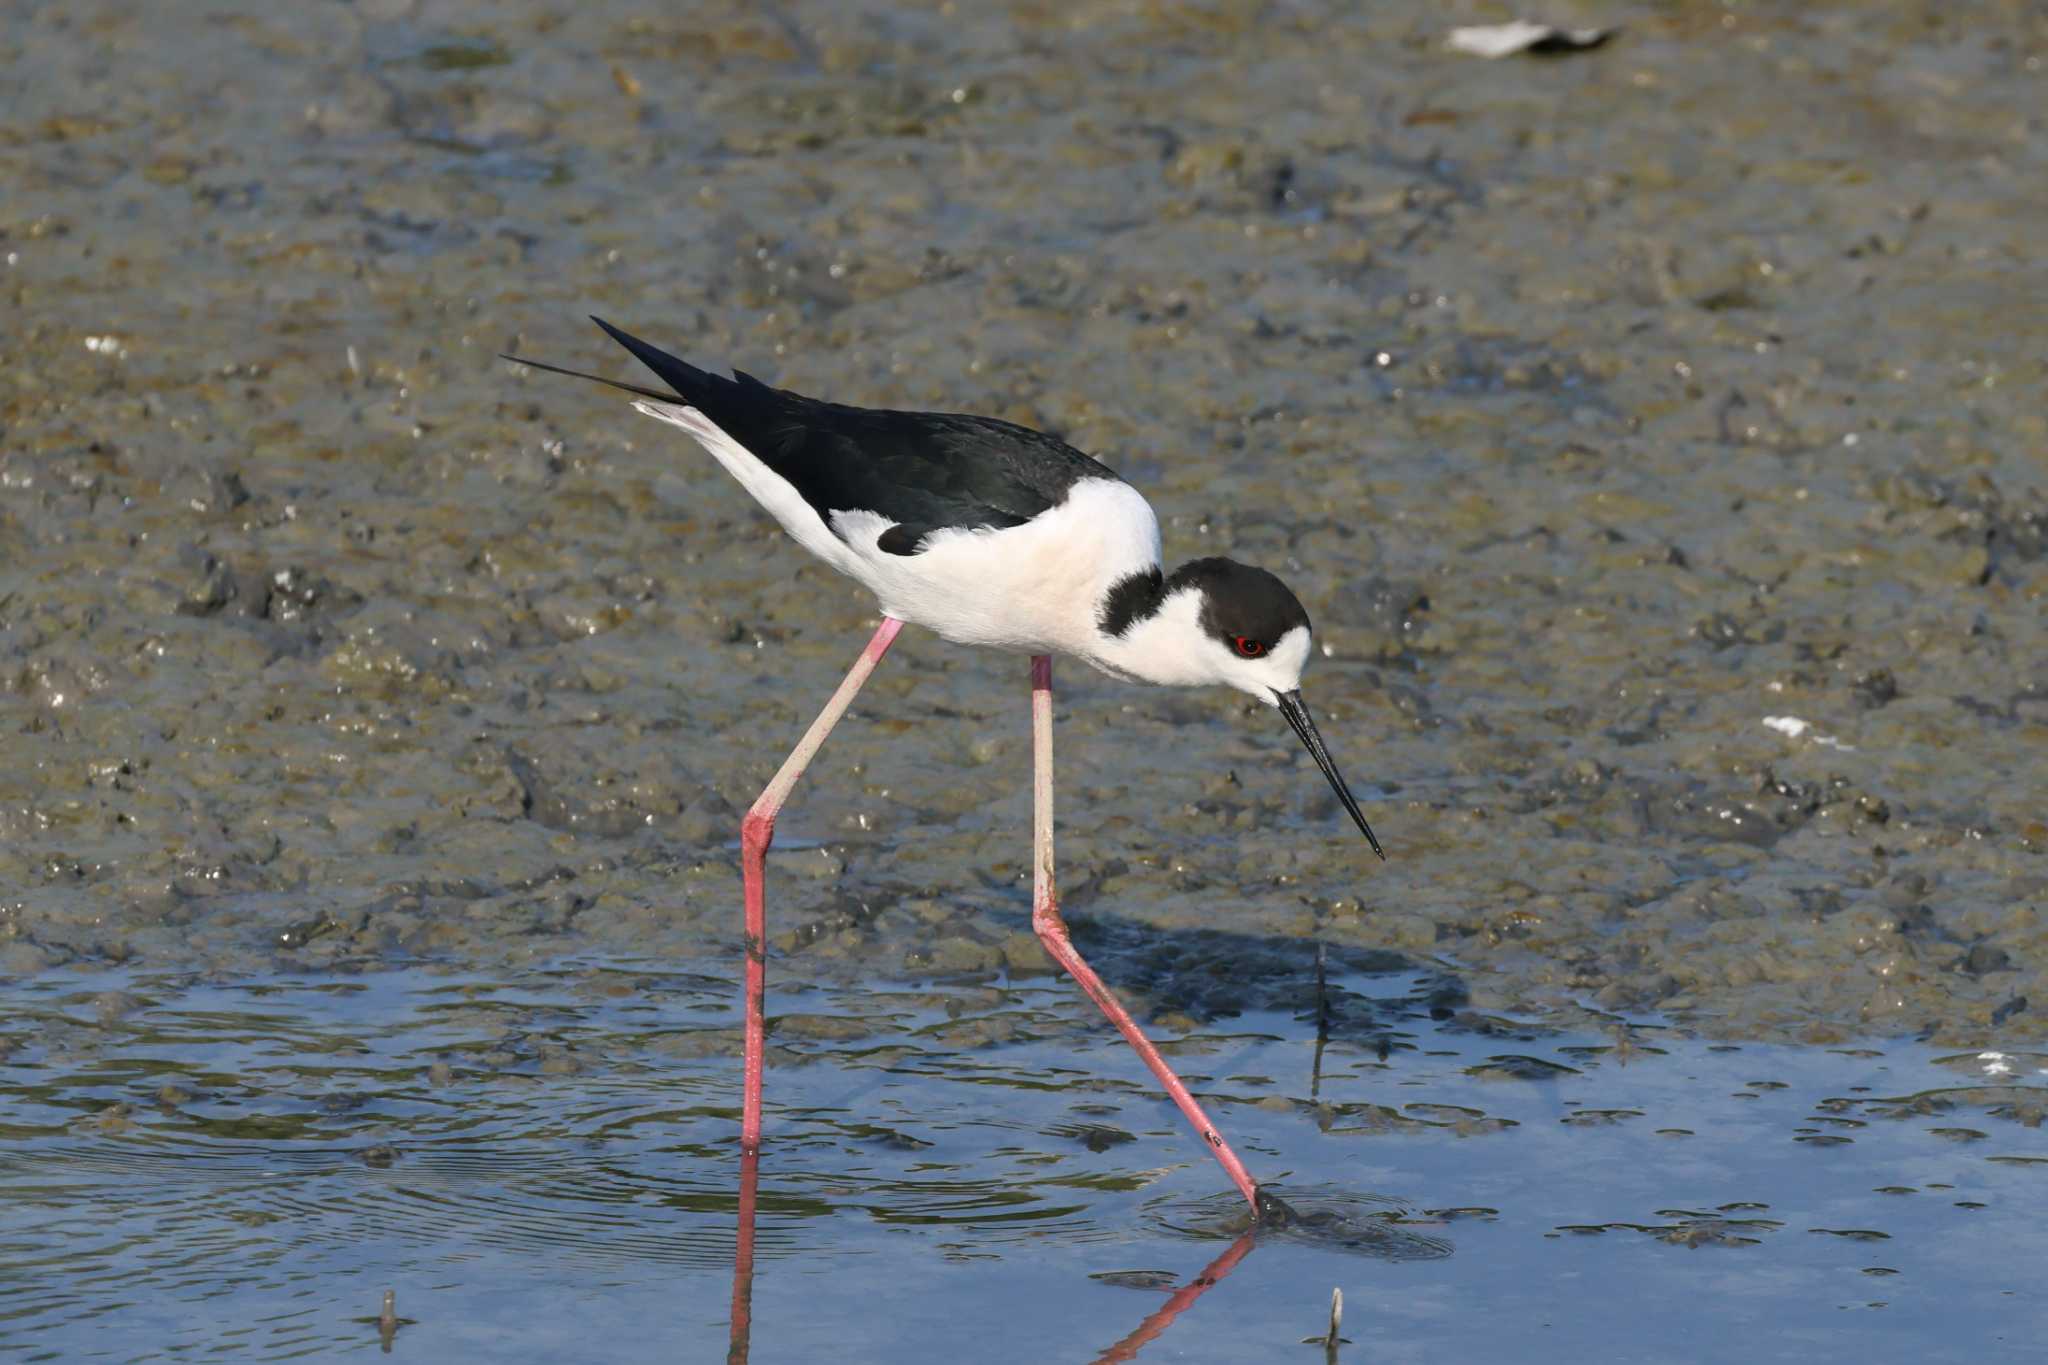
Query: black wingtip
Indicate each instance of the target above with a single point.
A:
(691, 384)
(622, 336)
(651, 356)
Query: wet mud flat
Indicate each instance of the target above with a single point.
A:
(1653, 439)
(197, 1169)
(1653, 434)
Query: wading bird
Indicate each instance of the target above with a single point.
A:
(988, 533)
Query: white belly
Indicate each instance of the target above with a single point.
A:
(1035, 588)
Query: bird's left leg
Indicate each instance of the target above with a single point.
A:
(1052, 932)
(757, 831)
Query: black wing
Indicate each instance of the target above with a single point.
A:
(925, 471)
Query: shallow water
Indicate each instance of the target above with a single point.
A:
(238, 1170)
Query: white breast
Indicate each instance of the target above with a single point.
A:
(1035, 588)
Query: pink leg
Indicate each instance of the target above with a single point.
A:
(757, 831)
(1052, 931)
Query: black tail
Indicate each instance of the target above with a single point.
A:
(690, 384)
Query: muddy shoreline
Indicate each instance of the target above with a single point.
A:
(1655, 440)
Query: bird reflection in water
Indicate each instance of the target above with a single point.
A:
(1272, 1213)
(743, 1258)
(1183, 1299)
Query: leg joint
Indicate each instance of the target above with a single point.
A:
(757, 831)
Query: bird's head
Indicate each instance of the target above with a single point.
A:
(1219, 621)
(1242, 624)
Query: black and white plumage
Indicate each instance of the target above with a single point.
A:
(989, 533)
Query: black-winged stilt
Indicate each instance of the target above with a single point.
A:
(994, 534)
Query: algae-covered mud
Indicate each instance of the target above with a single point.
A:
(1654, 433)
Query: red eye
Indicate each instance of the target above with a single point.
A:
(1247, 647)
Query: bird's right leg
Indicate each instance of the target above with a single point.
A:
(757, 831)
(1052, 932)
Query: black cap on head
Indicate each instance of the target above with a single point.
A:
(1240, 602)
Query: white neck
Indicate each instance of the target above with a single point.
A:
(1171, 648)
(1168, 647)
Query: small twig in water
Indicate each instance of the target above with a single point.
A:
(1329, 1340)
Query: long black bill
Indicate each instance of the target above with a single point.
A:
(1296, 711)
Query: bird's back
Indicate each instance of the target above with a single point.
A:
(923, 471)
